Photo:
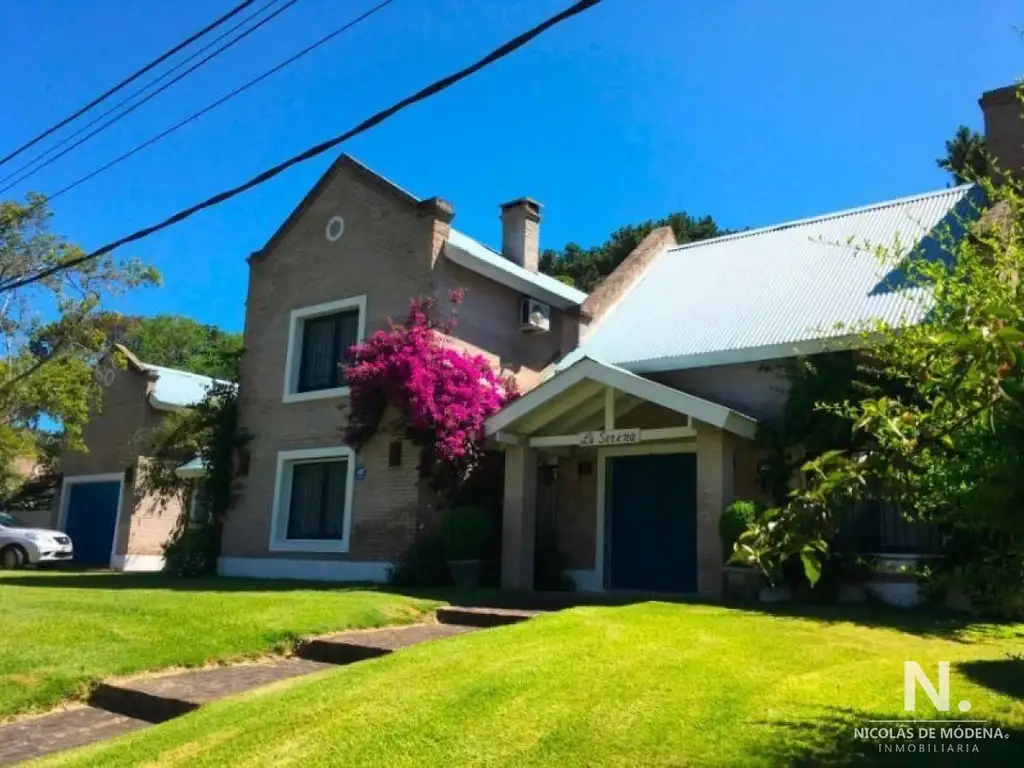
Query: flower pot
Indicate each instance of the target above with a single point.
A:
(465, 573)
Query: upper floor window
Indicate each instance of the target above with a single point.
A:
(319, 338)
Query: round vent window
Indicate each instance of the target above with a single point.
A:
(335, 228)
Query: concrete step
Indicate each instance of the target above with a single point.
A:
(470, 616)
(33, 737)
(350, 647)
(156, 699)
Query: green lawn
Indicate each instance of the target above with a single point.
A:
(648, 684)
(61, 631)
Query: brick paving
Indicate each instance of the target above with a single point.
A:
(37, 736)
(117, 707)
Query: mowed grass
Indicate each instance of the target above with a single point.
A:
(59, 632)
(647, 684)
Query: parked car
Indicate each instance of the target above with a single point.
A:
(21, 545)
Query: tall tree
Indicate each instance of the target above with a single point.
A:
(48, 337)
(179, 342)
(965, 157)
(586, 267)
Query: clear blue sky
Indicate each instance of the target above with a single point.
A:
(752, 112)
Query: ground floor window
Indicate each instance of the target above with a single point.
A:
(313, 500)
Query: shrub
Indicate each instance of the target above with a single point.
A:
(423, 564)
(465, 532)
(734, 521)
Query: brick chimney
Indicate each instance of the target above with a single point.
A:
(520, 232)
(1004, 128)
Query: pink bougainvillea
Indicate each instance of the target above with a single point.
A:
(443, 395)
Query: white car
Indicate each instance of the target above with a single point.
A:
(21, 545)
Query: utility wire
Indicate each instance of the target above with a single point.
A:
(424, 93)
(226, 97)
(161, 58)
(143, 89)
(154, 94)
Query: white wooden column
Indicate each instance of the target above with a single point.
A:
(519, 517)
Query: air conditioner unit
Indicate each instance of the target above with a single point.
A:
(534, 316)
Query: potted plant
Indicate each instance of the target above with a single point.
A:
(465, 532)
(741, 582)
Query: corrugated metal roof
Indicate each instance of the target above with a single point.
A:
(177, 389)
(475, 256)
(769, 293)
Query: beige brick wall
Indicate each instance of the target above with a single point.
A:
(115, 437)
(389, 252)
(576, 523)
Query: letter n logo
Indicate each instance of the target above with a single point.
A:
(912, 673)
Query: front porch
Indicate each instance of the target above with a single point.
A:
(628, 477)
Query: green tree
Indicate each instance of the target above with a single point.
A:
(950, 450)
(180, 342)
(586, 267)
(48, 338)
(965, 157)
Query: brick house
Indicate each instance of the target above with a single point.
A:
(99, 503)
(352, 254)
(642, 400)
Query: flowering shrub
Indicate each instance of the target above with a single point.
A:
(442, 395)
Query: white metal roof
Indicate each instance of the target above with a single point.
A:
(477, 257)
(176, 389)
(772, 292)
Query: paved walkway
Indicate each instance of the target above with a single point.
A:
(120, 706)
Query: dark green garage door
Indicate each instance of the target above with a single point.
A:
(651, 522)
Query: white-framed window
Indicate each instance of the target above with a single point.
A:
(313, 500)
(319, 338)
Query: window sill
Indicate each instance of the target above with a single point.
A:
(318, 394)
(325, 546)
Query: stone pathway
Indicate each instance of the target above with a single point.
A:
(120, 706)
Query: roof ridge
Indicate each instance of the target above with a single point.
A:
(823, 217)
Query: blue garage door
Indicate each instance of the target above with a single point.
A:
(651, 522)
(91, 519)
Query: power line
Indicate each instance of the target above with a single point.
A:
(154, 94)
(161, 58)
(143, 89)
(226, 97)
(424, 93)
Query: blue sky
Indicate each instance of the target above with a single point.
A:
(752, 112)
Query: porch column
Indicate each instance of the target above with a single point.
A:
(714, 493)
(519, 517)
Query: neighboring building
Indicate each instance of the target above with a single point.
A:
(98, 504)
(349, 258)
(673, 354)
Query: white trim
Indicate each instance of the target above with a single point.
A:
(747, 354)
(646, 436)
(283, 492)
(612, 376)
(602, 458)
(65, 497)
(463, 250)
(293, 354)
(313, 570)
(137, 563)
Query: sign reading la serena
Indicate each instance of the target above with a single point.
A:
(601, 437)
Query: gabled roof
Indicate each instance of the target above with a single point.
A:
(774, 292)
(173, 389)
(476, 257)
(434, 204)
(527, 412)
(176, 389)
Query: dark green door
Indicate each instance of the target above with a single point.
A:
(651, 522)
